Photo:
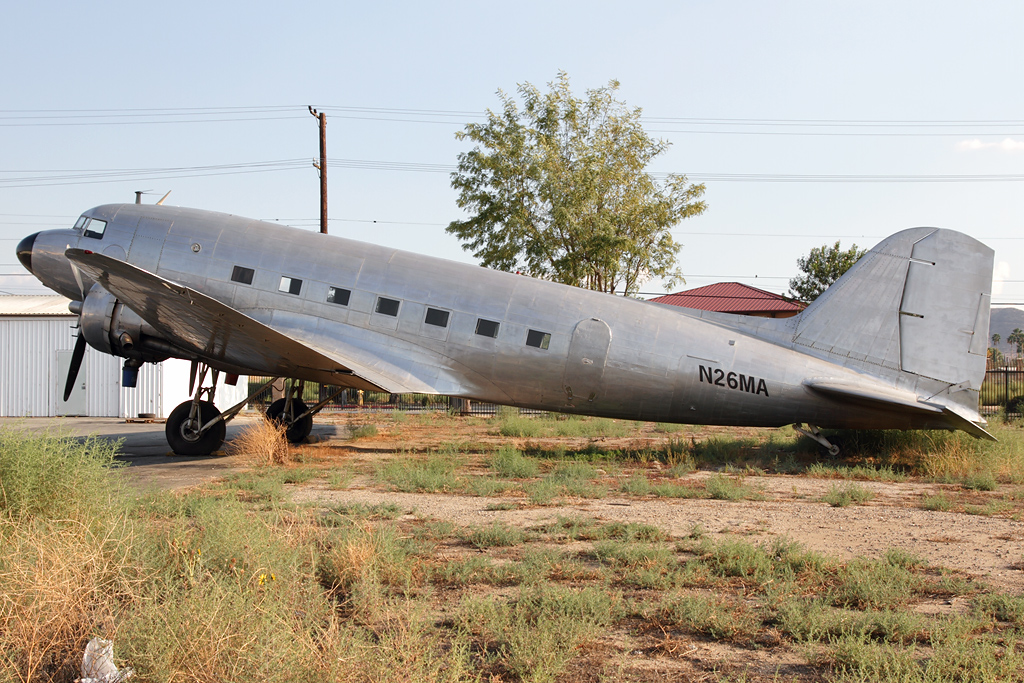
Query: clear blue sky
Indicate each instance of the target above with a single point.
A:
(862, 63)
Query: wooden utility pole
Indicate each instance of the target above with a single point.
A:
(322, 167)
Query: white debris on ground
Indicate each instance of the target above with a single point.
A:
(98, 664)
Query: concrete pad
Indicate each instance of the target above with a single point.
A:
(144, 447)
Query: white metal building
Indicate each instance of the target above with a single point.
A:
(37, 335)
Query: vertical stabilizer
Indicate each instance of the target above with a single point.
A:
(917, 303)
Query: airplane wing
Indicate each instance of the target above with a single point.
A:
(219, 333)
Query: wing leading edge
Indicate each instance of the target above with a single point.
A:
(220, 334)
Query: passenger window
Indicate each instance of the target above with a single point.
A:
(387, 306)
(243, 275)
(337, 295)
(538, 339)
(436, 317)
(94, 228)
(486, 328)
(290, 284)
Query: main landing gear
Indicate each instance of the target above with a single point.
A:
(197, 427)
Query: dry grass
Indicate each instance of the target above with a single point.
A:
(262, 443)
(62, 582)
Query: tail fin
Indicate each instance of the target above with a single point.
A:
(917, 303)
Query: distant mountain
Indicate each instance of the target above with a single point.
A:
(1003, 322)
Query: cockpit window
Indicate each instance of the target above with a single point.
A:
(94, 227)
(80, 223)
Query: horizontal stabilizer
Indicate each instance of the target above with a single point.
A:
(961, 422)
(871, 393)
(898, 400)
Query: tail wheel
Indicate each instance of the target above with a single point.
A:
(184, 435)
(297, 430)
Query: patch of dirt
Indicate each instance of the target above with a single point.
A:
(987, 547)
(969, 543)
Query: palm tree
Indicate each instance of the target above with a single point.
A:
(996, 339)
(1016, 338)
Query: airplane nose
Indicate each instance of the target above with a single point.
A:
(25, 251)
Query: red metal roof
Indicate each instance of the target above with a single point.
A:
(730, 297)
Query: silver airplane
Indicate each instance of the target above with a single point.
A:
(899, 342)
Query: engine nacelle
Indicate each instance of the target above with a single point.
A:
(112, 327)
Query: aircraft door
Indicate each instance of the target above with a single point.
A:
(588, 354)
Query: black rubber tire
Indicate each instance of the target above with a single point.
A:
(297, 431)
(182, 442)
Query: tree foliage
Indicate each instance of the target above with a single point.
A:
(823, 266)
(558, 189)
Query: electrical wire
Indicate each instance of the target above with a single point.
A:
(694, 125)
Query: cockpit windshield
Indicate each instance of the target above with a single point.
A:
(91, 227)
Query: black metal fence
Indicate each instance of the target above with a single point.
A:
(352, 400)
(1003, 389)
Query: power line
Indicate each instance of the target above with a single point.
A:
(694, 125)
(46, 177)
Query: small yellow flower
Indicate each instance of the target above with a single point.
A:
(263, 579)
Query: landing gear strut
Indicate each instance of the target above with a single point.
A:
(292, 412)
(813, 432)
(196, 427)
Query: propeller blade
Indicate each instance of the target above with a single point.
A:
(192, 376)
(76, 365)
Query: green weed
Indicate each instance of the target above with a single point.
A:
(721, 487)
(496, 535)
(509, 462)
(940, 502)
(711, 616)
(847, 494)
(363, 432)
(436, 473)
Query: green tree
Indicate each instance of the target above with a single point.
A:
(996, 339)
(823, 266)
(558, 189)
(1016, 338)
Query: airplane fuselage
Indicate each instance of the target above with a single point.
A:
(444, 327)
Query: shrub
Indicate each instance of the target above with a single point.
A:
(56, 476)
(262, 443)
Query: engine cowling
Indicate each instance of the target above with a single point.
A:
(113, 328)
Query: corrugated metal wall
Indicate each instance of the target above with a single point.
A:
(29, 381)
(147, 397)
